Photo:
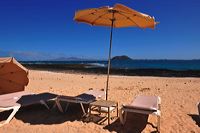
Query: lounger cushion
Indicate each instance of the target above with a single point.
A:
(33, 99)
(86, 97)
(9, 100)
(144, 103)
(80, 98)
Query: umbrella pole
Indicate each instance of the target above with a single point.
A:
(109, 56)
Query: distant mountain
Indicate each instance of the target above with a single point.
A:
(121, 58)
(67, 59)
(72, 59)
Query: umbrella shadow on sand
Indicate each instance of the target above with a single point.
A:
(38, 114)
(135, 123)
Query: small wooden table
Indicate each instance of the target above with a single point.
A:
(106, 104)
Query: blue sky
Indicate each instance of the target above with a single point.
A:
(42, 29)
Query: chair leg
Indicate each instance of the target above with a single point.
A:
(199, 109)
(45, 104)
(84, 113)
(99, 110)
(90, 110)
(158, 123)
(125, 116)
(122, 119)
(117, 110)
(54, 106)
(108, 115)
(15, 109)
(66, 107)
(59, 106)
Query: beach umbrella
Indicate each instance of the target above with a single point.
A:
(118, 16)
(13, 76)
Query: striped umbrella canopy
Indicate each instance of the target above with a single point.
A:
(13, 76)
(118, 16)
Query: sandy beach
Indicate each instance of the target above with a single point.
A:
(179, 104)
(53, 53)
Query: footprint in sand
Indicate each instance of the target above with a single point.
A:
(145, 89)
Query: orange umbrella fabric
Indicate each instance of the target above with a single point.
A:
(13, 76)
(118, 16)
(122, 16)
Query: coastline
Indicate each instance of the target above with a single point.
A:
(82, 68)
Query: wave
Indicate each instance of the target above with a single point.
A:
(95, 65)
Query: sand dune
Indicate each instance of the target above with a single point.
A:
(179, 104)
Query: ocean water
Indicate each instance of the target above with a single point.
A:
(132, 64)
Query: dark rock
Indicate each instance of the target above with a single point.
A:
(121, 58)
